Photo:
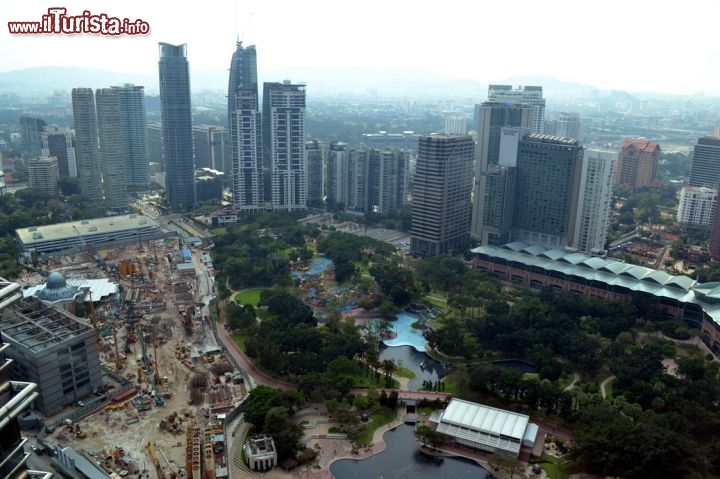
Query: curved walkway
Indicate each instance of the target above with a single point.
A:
(604, 384)
(232, 348)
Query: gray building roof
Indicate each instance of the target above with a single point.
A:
(76, 234)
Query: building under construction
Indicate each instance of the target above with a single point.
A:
(52, 348)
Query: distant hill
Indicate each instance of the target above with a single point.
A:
(44, 80)
(320, 81)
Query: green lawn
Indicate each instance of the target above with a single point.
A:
(249, 296)
(377, 420)
(218, 231)
(239, 340)
(404, 372)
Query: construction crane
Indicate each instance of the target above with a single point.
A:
(155, 460)
(93, 320)
(118, 361)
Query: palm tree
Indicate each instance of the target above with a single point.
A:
(388, 367)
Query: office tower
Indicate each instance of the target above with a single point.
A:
(15, 399)
(44, 174)
(155, 146)
(456, 125)
(528, 95)
(246, 146)
(492, 117)
(133, 122)
(60, 143)
(112, 148)
(697, 207)
(549, 170)
(705, 165)
(387, 181)
(283, 133)
(177, 126)
(314, 165)
(637, 164)
(441, 195)
(31, 130)
(595, 196)
(87, 151)
(243, 74)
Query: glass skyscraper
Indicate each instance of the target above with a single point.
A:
(87, 153)
(177, 126)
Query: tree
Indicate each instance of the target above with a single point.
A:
(430, 437)
(285, 432)
(388, 367)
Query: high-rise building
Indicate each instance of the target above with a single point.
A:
(441, 195)
(492, 118)
(31, 130)
(637, 164)
(177, 126)
(246, 135)
(697, 207)
(60, 143)
(338, 176)
(201, 145)
(527, 95)
(283, 133)
(87, 151)
(246, 147)
(155, 145)
(112, 148)
(595, 196)
(315, 178)
(705, 165)
(549, 170)
(387, 181)
(564, 124)
(15, 398)
(243, 74)
(133, 122)
(456, 125)
(44, 174)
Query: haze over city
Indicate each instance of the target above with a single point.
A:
(633, 46)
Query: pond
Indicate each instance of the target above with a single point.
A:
(408, 357)
(402, 460)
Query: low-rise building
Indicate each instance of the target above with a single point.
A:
(260, 453)
(486, 428)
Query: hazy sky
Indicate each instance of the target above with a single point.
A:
(636, 45)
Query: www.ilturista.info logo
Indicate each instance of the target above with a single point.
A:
(58, 22)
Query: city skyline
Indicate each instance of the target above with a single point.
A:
(210, 35)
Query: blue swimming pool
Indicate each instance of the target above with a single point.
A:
(406, 335)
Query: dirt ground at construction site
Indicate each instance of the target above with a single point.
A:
(162, 345)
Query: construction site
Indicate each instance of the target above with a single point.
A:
(166, 383)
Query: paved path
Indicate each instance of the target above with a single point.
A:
(576, 378)
(603, 384)
(255, 375)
